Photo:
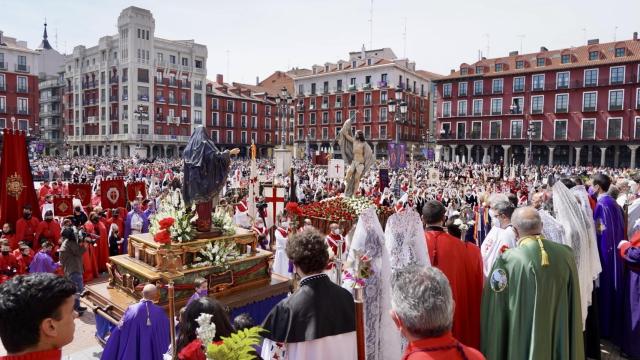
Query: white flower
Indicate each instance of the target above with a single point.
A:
(206, 330)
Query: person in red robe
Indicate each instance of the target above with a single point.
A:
(7, 234)
(89, 260)
(48, 230)
(26, 227)
(23, 254)
(464, 274)
(98, 233)
(44, 191)
(8, 263)
(332, 240)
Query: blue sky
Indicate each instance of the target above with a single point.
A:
(266, 35)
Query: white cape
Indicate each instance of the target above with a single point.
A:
(574, 213)
(490, 249)
(381, 336)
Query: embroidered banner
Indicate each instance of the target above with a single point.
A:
(135, 187)
(112, 193)
(82, 192)
(62, 206)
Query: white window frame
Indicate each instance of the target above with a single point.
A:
(555, 105)
(544, 78)
(524, 83)
(18, 100)
(637, 104)
(323, 131)
(493, 82)
(215, 135)
(635, 128)
(444, 86)
(465, 130)
(522, 104)
(473, 107)
(609, 99)
(481, 88)
(584, 76)
(568, 79)
(595, 121)
(624, 73)
(531, 104)
(466, 107)
(443, 123)
(621, 127)
(501, 107)
(531, 122)
(499, 122)
(555, 127)
(380, 131)
(459, 87)
(4, 120)
(3, 100)
(590, 92)
(443, 104)
(513, 121)
(227, 137)
(477, 122)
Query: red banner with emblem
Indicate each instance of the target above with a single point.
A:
(63, 206)
(113, 193)
(135, 187)
(82, 192)
(16, 181)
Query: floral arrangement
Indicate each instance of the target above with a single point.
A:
(172, 223)
(362, 269)
(238, 346)
(222, 220)
(333, 209)
(461, 225)
(216, 255)
(358, 204)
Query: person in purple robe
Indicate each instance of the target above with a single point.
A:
(42, 261)
(137, 222)
(630, 253)
(143, 332)
(609, 224)
(202, 290)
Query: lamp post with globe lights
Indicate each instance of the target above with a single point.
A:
(283, 104)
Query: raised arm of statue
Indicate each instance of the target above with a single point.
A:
(346, 131)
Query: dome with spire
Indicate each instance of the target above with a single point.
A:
(45, 42)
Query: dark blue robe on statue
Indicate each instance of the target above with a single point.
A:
(631, 307)
(143, 333)
(609, 223)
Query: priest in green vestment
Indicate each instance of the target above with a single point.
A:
(531, 300)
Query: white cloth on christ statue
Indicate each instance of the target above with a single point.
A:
(280, 259)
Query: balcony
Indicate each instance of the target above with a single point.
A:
(366, 86)
(159, 117)
(324, 106)
(382, 84)
(496, 112)
(446, 95)
(215, 107)
(113, 117)
(22, 68)
(125, 79)
(325, 91)
(160, 99)
(197, 86)
(113, 98)
(538, 88)
(563, 86)
(173, 101)
(143, 97)
(113, 80)
(185, 84)
(496, 91)
(22, 90)
(185, 102)
(184, 119)
(476, 92)
(125, 97)
(352, 87)
(3, 65)
(172, 82)
(460, 93)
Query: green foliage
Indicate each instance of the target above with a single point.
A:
(238, 346)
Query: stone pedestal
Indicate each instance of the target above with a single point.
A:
(283, 161)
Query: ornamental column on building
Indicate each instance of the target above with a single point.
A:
(633, 149)
(603, 153)
(485, 157)
(437, 154)
(551, 149)
(578, 149)
(469, 155)
(453, 153)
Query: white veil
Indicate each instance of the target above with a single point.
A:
(580, 236)
(382, 338)
(405, 240)
(552, 229)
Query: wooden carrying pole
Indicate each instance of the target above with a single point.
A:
(172, 319)
(358, 300)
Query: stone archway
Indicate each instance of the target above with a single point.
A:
(518, 154)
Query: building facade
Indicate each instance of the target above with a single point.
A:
(578, 106)
(18, 85)
(238, 116)
(361, 88)
(134, 93)
(51, 129)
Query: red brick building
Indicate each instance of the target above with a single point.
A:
(580, 106)
(19, 108)
(362, 88)
(237, 115)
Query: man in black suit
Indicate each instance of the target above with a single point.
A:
(318, 320)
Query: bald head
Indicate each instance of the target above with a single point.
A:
(526, 221)
(149, 291)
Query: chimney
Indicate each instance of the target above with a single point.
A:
(219, 79)
(453, 70)
(1, 33)
(513, 53)
(635, 35)
(257, 80)
(484, 58)
(593, 41)
(543, 49)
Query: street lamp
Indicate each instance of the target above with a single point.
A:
(13, 123)
(142, 115)
(283, 103)
(398, 116)
(530, 131)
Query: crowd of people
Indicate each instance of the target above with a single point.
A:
(478, 260)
